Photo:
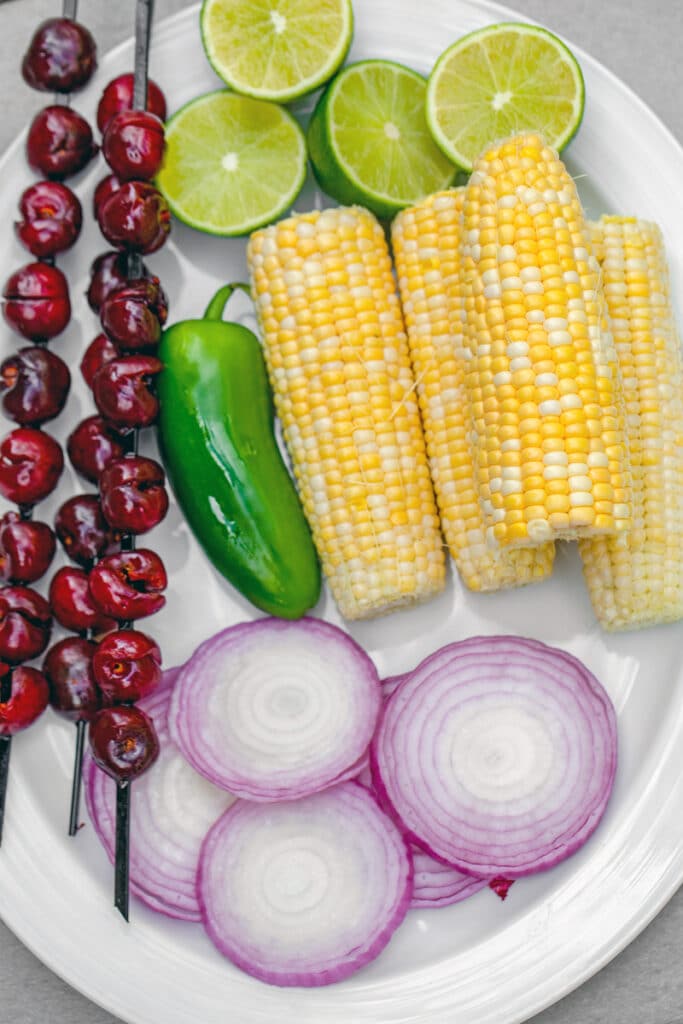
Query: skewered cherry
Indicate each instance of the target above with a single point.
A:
(83, 531)
(133, 316)
(127, 666)
(34, 383)
(37, 302)
(122, 391)
(72, 603)
(61, 56)
(69, 673)
(133, 144)
(31, 463)
(25, 624)
(91, 446)
(108, 272)
(99, 351)
(26, 548)
(129, 585)
(134, 498)
(118, 95)
(59, 142)
(135, 217)
(123, 741)
(52, 218)
(28, 699)
(103, 191)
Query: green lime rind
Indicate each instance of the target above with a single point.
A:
(478, 71)
(369, 143)
(231, 163)
(256, 61)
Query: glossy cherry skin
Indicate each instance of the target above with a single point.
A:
(133, 144)
(83, 531)
(127, 666)
(52, 217)
(123, 742)
(118, 95)
(103, 191)
(108, 273)
(61, 56)
(134, 497)
(31, 463)
(59, 143)
(72, 604)
(123, 394)
(34, 384)
(99, 351)
(91, 446)
(135, 217)
(37, 303)
(68, 669)
(27, 548)
(25, 624)
(28, 699)
(129, 585)
(132, 316)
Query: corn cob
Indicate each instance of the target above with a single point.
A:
(425, 241)
(549, 443)
(338, 360)
(636, 578)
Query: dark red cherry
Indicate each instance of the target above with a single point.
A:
(104, 190)
(72, 603)
(134, 497)
(133, 144)
(37, 302)
(129, 585)
(123, 394)
(25, 624)
(135, 217)
(59, 142)
(83, 531)
(127, 666)
(34, 384)
(133, 316)
(92, 446)
(61, 56)
(28, 699)
(51, 219)
(118, 95)
(31, 463)
(123, 741)
(108, 273)
(99, 351)
(27, 548)
(68, 669)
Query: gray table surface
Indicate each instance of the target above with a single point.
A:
(641, 44)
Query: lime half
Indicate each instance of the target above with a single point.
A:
(276, 49)
(500, 80)
(231, 163)
(369, 142)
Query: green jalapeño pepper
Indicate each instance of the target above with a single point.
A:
(225, 467)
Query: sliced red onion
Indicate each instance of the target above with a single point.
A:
(304, 892)
(498, 755)
(272, 710)
(172, 809)
(439, 885)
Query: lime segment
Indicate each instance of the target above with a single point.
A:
(369, 141)
(276, 49)
(498, 81)
(231, 163)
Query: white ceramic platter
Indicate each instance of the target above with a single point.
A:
(482, 962)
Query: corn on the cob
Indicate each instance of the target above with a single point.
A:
(338, 361)
(636, 578)
(425, 241)
(549, 442)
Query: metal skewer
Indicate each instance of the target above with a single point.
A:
(143, 24)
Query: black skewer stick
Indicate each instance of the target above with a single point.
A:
(143, 23)
(5, 748)
(75, 810)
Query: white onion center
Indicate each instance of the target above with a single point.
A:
(296, 879)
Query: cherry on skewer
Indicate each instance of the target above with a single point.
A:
(59, 142)
(27, 548)
(37, 303)
(92, 445)
(52, 217)
(61, 57)
(23, 697)
(34, 384)
(83, 531)
(118, 96)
